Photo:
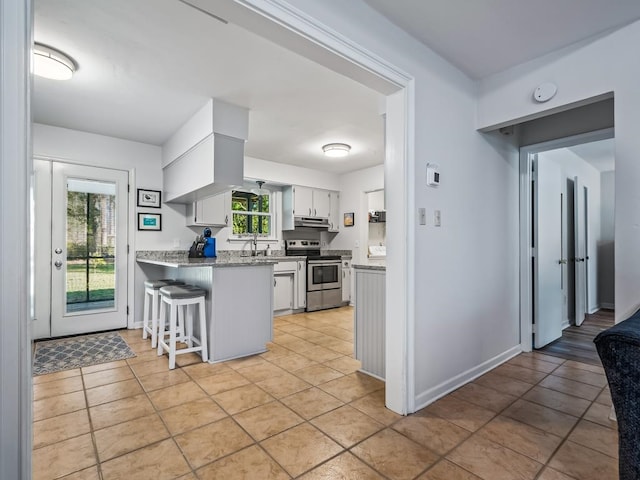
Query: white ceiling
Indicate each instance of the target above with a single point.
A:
(482, 37)
(146, 65)
(600, 154)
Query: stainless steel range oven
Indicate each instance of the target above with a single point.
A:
(324, 274)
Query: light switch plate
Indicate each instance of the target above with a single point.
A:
(436, 218)
(422, 216)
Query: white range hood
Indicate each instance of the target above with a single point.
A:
(206, 155)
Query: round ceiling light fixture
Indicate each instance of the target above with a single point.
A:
(51, 63)
(336, 149)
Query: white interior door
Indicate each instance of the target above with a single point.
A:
(548, 247)
(580, 225)
(88, 249)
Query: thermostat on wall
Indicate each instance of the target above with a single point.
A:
(433, 174)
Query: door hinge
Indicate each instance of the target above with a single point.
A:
(127, 249)
(534, 329)
(128, 187)
(127, 310)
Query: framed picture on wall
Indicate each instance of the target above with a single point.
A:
(149, 198)
(348, 219)
(150, 221)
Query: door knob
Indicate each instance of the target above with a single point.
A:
(58, 251)
(562, 261)
(58, 263)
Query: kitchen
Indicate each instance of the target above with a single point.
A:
(131, 137)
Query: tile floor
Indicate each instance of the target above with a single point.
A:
(302, 410)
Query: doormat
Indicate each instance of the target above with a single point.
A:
(67, 353)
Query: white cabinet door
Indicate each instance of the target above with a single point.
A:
(346, 280)
(301, 285)
(334, 214)
(212, 211)
(282, 291)
(321, 204)
(302, 201)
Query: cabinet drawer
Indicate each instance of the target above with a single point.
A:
(285, 267)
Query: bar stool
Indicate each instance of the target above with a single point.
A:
(152, 302)
(182, 299)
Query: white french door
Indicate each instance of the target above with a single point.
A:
(86, 257)
(580, 195)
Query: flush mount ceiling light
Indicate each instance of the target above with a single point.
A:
(336, 149)
(51, 63)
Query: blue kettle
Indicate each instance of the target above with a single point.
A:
(209, 243)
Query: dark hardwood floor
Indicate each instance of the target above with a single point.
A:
(576, 343)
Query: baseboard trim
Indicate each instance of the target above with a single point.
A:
(429, 396)
(565, 324)
(608, 306)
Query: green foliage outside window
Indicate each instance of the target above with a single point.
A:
(251, 213)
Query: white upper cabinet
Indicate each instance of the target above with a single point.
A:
(298, 201)
(214, 211)
(334, 214)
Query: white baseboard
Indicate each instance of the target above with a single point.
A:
(136, 325)
(608, 306)
(429, 396)
(565, 324)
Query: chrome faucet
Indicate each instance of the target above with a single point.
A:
(254, 245)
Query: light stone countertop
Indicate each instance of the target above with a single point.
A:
(359, 266)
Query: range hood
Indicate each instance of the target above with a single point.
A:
(311, 222)
(206, 155)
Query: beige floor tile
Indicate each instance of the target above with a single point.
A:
(520, 373)
(113, 391)
(90, 473)
(533, 363)
(57, 387)
(583, 463)
(251, 361)
(50, 377)
(147, 356)
(596, 437)
(301, 448)
(492, 461)
(63, 458)
(222, 382)
(293, 362)
(558, 401)
(525, 439)
(346, 364)
(541, 417)
(242, 398)
(347, 426)
(155, 365)
(445, 470)
(394, 455)
(352, 387)
(317, 374)
(374, 406)
(261, 372)
(267, 420)
(211, 442)
(289, 327)
(584, 366)
(431, 431)
(311, 402)
(185, 359)
(188, 416)
(320, 354)
(503, 384)
(248, 464)
(570, 387)
(551, 474)
(128, 436)
(62, 427)
(599, 414)
(604, 398)
(202, 369)
(283, 385)
(159, 380)
(58, 405)
(546, 358)
(484, 397)
(103, 366)
(176, 395)
(343, 467)
(160, 461)
(464, 414)
(112, 413)
(581, 375)
(340, 346)
(275, 351)
(105, 377)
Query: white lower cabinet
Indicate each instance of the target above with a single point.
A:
(282, 291)
(346, 281)
(301, 285)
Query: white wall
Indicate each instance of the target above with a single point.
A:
(606, 259)
(571, 166)
(582, 71)
(465, 273)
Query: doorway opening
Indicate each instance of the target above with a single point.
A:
(571, 217)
